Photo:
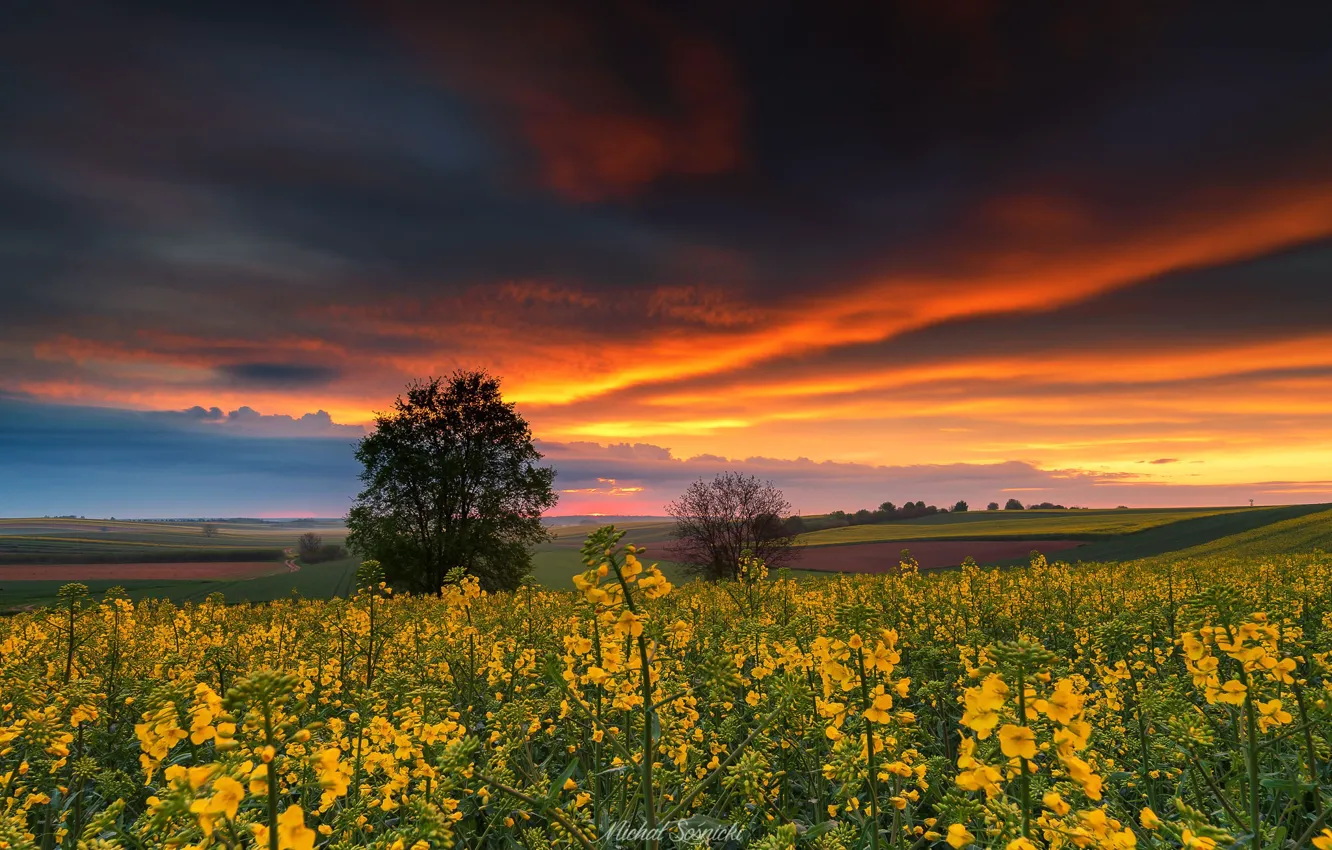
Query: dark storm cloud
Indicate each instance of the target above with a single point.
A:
(279, 374)
(299, 207)
(313, 152)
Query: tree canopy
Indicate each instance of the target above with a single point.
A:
(451, 480)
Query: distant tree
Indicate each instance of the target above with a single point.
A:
(795, 525)
(960, 507)
(1012, 505)
(862, 517)
(717, 521)
(308, 545)
(452, 480)
(1122, 508)
(992, 506)
(209, 529)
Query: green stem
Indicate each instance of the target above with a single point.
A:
(703, 783)
(1251, 750)
(1311, 754)
(869, 752)
(649, 793)
(272, 784)
(543, 807)
(1024, 781)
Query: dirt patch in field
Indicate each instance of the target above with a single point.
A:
(114, 572)
(931, 554)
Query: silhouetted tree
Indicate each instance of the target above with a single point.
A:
(795, 525)
(992, 506)
(717, 521)
(1012, 505)
(451, 480)
(960, 507)
(209, 530)
(307, 546)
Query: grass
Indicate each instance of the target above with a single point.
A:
(315, 581)
(1302, 534)
(554, 563)
(1288, 529)
(1030, 525)
(102, 541)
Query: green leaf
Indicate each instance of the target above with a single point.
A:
(817, 830)
(1286, 783)
(701, 821)
(558, 782)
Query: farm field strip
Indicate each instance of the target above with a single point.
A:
(988, 525)
(181, 570)
(928, 554)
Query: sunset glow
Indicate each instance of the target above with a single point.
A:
(680, 258)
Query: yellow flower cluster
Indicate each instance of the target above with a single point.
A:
(1151, 704)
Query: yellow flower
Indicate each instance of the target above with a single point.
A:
(629, 624)
(1232, 693)
(983, 704)
(1063, 705)
(1080, 772)
(1323, 841)
(880, 706)
(1017, 741)
(293, 834)
(1197, 842)
(959, 836)
(1149, 820)
(1271, 714)
(1021, 844)
(1055, 803)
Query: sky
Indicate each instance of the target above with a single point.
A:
(936, 249)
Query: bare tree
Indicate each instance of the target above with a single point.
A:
(209, 529)
(717, 521)
(308, 545)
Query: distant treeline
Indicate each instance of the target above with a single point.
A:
(887, 512)
(157, 556)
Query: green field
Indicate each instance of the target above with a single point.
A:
(1029, 525)
(1113, 535)
(1303, 533)
(554, 563)
(77, 541)
(316, 581)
